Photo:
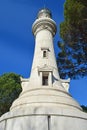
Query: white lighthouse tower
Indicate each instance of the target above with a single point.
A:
(45, 103)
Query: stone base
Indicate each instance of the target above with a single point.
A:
(44, 119)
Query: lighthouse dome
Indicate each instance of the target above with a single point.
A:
(44, 13)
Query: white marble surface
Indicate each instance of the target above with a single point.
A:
(45, 122)
(27, 123)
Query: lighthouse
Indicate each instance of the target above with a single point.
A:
(45, 102)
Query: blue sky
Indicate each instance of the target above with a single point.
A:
(17, 40)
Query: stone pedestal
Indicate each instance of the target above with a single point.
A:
(44, 118)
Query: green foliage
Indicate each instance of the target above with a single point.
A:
(72, 59)
(9, 90)
(84, 108)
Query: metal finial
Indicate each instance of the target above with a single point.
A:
(44, 4)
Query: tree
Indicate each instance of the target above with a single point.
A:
(72, 58)
(84, 108)
(10, 89)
